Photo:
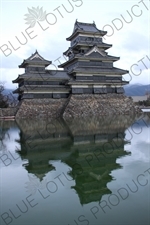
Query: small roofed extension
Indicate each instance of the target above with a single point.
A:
(89, 65)
(39, 82)
(89, 69)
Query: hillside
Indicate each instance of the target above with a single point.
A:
(8, 91)
(136, 89)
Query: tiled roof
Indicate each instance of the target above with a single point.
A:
(86, 27)
(50, 74)
(84, 43)
(36, 57)
(93, 55)
(100, 70)
(111, 82)
(90, 27)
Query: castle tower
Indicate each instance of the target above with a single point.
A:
(38, 82)
(88, 84)
(89, 65)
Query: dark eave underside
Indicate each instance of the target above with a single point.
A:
(35, 62)
(100, 70)
(100, 45)
(81, 58)
(48, 76)
(74, 82)
(41, 89)
(101, 33)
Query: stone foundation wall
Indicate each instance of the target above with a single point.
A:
(7, 112)
(37, 108)
(94, 104)
(77, 106)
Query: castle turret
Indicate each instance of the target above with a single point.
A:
(89, 65)
(39, 82)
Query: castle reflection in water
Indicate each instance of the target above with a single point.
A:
(89, 147)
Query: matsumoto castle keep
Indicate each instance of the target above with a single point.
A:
(89, 84)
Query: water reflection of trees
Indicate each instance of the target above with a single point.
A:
(4, 134)
(89, 147)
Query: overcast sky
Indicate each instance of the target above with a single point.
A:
(127, 23)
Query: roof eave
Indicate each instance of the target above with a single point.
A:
(100, 32)
(27, 62)
(65, 63)
(106, 46)
(16, 91)
(17, 79)
(125, 82)
(14, 81)
(64, 53)
(123, 72)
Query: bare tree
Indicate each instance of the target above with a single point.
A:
(7, 100)
(4, 136)
(12, 100)
(3, 98)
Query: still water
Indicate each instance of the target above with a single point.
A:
(80, 172)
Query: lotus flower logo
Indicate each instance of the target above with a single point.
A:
(35, 15)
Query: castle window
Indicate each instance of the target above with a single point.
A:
(89, 39)
(81, 51)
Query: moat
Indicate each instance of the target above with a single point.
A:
(75, 172)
